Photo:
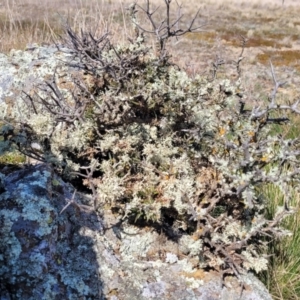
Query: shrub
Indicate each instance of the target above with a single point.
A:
(158, 148)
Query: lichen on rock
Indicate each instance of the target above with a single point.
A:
(40, 256)
(77, 255)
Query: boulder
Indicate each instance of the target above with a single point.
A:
(54, 245)
(44, 255)
(23, 71)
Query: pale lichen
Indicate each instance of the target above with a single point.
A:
(156, 147)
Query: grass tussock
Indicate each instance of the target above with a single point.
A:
(283, 275)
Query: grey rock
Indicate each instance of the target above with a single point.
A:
(23, 71)
(43, 255)
(77, 255)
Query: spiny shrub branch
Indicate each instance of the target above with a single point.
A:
(165, 29)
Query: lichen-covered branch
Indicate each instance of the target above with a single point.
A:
(158, 148)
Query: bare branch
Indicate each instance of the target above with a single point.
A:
(165, 29)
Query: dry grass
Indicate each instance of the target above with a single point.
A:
(271, 30)
(268, 26)
(283, 276)
(23, 22)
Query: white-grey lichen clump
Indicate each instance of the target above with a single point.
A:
(157, 149)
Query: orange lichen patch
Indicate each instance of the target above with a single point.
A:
(222, 131)
(280, 58)
(265, 158)
(198, 274)
(197, 234)
(252, 134)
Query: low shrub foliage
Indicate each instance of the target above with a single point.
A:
(162, 149)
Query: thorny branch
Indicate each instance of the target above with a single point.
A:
(62, 110)
(166, 29)
(89, 176)
(258, 113)
(73, 202)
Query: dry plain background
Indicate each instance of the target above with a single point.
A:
(272, 32)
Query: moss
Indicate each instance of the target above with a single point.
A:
(13, 157)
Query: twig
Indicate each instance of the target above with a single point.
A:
(73, 202)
